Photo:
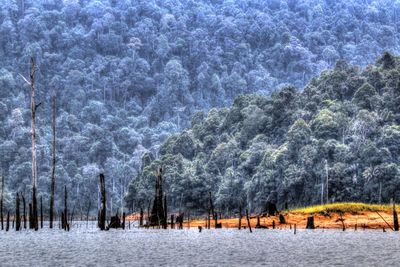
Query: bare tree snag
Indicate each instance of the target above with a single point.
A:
(1, 202)
(53, 169)
(87, 214)
(31, 226)
(102, 212)
(41, 212)
(17, 214)
(31, 83)
(165, 225)
(282, 219)
(248, 220)
(157, 216)
(8, 221)
(240, 216)
(141, 217)
(24, 210)
(172, 221)
(65, 221)
(395, 219)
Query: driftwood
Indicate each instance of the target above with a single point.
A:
(385, 220)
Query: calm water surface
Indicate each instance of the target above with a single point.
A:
(225, 247)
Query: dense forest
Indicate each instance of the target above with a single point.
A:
(128, 74)
(337, 140)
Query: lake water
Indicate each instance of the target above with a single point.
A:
(223, 247)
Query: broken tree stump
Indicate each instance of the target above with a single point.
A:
(310, 222)
(282, 219)
(271, 209)
(115, 222)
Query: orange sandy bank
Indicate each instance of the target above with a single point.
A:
(367, 216)
(369, 220)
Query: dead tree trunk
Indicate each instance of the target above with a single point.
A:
(24, 210)
(87, 214)
(165, 225)
(123, 220)
(41, 212)
(30, 217)
(310, 222)
(141, 217)
(102, 217)
(1, 203)
(53, 169)
(211, 205)
(34, 107)
(248, 220)
(17, 214)
(282, 219)
(240, 216)
(395, 219)
(8, 221)
(65, 222)
(157, 213)
(172, 221)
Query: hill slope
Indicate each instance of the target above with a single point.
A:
(343, 127)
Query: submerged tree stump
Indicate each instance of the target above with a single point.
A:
(115, 222)
(282, 219)
(310, 222)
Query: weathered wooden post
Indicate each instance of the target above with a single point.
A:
(240, 216)
(248, 220)
(17, 215)
(102, 215)
(310, 222)
(395, 219)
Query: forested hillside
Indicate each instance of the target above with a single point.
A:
(130, 73)
(341, 132)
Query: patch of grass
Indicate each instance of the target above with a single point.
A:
(344, 207)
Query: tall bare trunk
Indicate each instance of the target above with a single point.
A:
(1, 203)
(17, 214)
(53, 170)
(102, 213)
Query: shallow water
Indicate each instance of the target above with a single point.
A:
(224, 247)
